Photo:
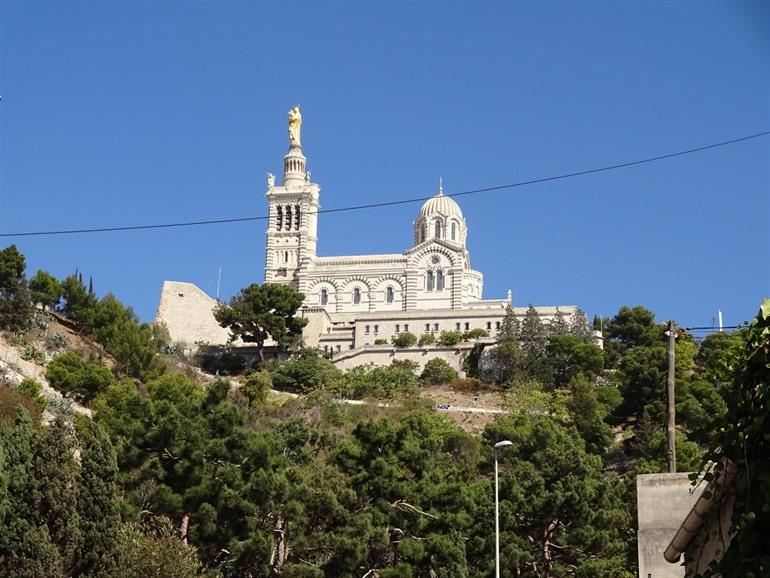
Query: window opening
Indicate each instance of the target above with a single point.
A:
(439, 280)
(454, 229)
(430, 281)
(389, 295)
(467, 326)
(356, 296)
(324, 296)
(296, 217)
(288, 217)
(437, 232)
(279, 218)
(435, 327)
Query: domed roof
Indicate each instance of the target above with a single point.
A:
(441, 204)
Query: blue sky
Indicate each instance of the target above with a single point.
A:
(119, 113)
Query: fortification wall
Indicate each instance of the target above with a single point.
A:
(188, 313)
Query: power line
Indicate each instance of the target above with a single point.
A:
(402, 201)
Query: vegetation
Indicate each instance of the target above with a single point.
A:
(450, 338)
(745, 446)
(404, 339)
(15, 303)
(437, 371)
(71, 374)
(174, 478)
(427, 339)
(262, 311)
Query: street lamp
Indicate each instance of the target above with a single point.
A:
(498, 445)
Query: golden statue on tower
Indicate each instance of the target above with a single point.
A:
(295, 126)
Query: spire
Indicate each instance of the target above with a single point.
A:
(440, 186)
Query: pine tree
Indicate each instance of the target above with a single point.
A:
(580, 328)
(510, 330)
(25, 546)
(534, 335)
(54, 497)
(16, 307)
(559, 325)
(97, 502)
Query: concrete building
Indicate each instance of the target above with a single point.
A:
(353, 301)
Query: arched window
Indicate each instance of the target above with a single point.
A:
(424, 233)
(296, 217)
(439, 280)
(389, 294)
(356, 296)
(437, 233)
(324, 297)
(288, 217)
(279, 218)
(285, 256)
(429, 285)
(454, 230)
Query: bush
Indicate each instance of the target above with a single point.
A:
(427, 339)
(450, 338)
(438, 371)
(378, 382)
(32, 353)
(69, 373)
(256, 386)
(405, 364)
(305, 372)
(477, 333)
(380, 341)
(32, 389)
(404, 339)
(466, 385)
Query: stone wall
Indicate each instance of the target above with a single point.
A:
(189, 314)
(663, 500)
(385, 354)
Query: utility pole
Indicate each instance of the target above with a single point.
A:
(670, 399)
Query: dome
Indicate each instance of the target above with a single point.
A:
(441, 205)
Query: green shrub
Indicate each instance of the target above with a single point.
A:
(69, 373)
(378, 382)
(404, 339)
(380, 341)
(32, 353)
(256, 386)
(477, 333)
(305, 372)
(450, 338)
(405, 364)
(32, 389)
(438, 371)
(427, 339)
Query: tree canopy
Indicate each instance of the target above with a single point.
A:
(261, 311)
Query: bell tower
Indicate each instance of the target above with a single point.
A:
(293, 214)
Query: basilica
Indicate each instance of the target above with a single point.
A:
(355, 304)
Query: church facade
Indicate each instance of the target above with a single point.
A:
(355, 304)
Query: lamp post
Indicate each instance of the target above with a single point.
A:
(498, 445)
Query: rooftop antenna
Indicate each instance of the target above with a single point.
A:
(219, 279)
(719, 315)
